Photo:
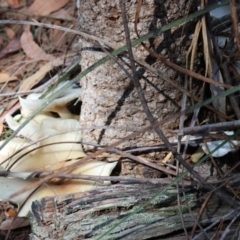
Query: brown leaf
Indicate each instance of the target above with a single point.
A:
(55, 35)
(42, 8)
(12, 107)
(5, 77)
(29, 82)
(15, 3)
(10, 212)
(1, 41)
(11, 223)
(62, 14)
(10, 33)
(13, 46)
(1, 127)
(31, 48)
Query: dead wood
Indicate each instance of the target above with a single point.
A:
(89, 215)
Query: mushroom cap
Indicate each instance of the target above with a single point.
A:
(9, 185)
(59, 105)
(46, 143)
(60, 146)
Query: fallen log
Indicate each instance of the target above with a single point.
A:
(123, 211)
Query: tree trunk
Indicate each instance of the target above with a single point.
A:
(111, 108)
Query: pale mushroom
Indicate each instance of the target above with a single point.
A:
(46, 158)
(59, 105)
(62, 137)
(9, 186)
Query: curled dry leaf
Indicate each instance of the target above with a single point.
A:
(1, 127)
(196, 156)
(5, 77)
(62, 14)
(13, 46)
(12, 107)
(14, 223)
(29, 82)
(15, 3)
(42, 8)
(219, 104)
(10, 212)
(57, 37)
(31, 48)
(10, 33)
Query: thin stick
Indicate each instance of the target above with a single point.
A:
(100, 179)
(222, 126)
(85, 34)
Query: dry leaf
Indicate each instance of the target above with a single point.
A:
(219, 104)
(15, 3)
(169, 155)
(1, 41)
(56, 36)
(42, 8)
(31, 49)
(13, 46)
(62, 14)
(195, 157)
(10, 212)
(29, 82)
(5, 77)
(18, 222)
(1, 127)
(12, 107)
(10, 33)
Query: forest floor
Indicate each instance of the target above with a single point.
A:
(32, 53)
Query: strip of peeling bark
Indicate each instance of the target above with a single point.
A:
(91, 214)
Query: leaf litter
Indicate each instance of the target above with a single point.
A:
(28, 54)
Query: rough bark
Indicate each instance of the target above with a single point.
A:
(109, 98)
(89, 215)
